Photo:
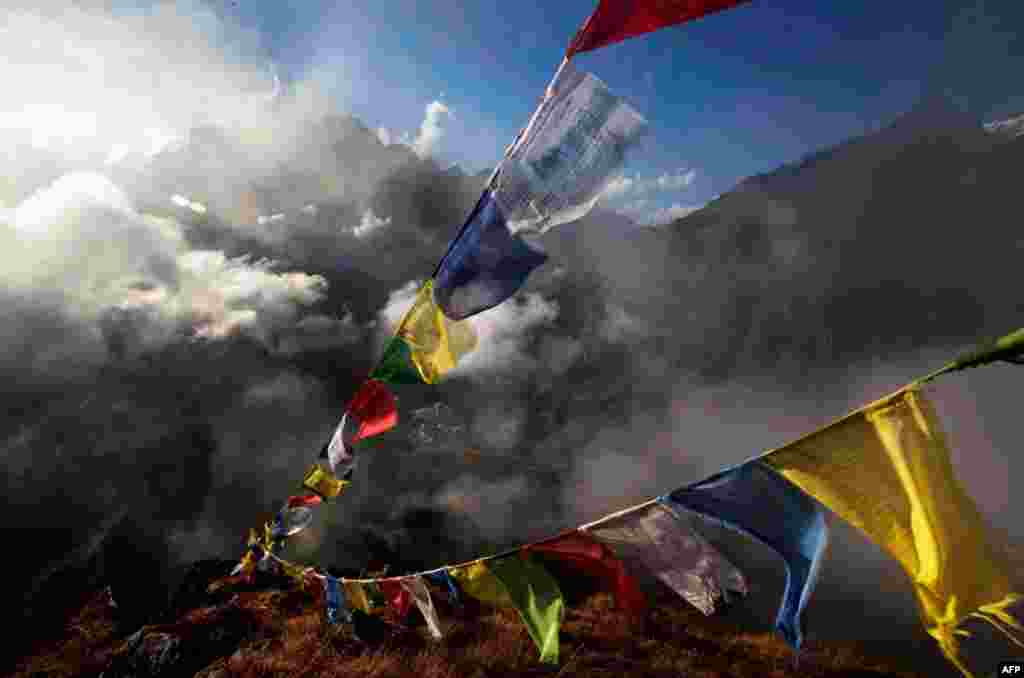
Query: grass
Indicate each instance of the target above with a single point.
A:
(283, 634)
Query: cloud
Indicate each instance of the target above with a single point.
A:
(432, 130)
(625, 186)
(133, 279)
(369, 225)
(486, 502)
(667, 215)
(93, 84)
(644, 212)
(504, 334)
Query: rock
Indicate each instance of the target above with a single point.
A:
(181, 649)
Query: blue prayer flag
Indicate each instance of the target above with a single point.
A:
(485, 265)
(442, 578)
(336, 608)
(756, 501)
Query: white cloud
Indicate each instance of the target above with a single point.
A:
(385, 136)
(91, 84)
(432, 129)
(369, 224)
(81, 240)
(504, 332)
(618, 187)
(625, 186)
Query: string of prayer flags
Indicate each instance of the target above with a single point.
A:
(756, 501)
(420, 595)
(616, 20)
(485, 265)
(659, 540)
(886, 470)
(398, 598)
(537, 598)
(572, 148)
(434, 343)
(322, 481)
(586, 554)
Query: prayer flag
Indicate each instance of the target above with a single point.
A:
(886, 469)
(322, 481)
(397, 597)
(485, 265)
(616, 20)
(435, 343)
(415, 587)
(754, 500)
(588, 555)
(536, 597)
(445, 580)
(338, 451)
(336, 608)
(477, 580)
(356, 595)
(396, 365)
(304, 500)
(668, 545)
(573, 147)
(374, 409)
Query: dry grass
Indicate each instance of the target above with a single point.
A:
(286, 636)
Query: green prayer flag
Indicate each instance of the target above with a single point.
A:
(537, 598)
(396, 365)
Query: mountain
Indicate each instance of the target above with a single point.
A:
(222, 627)
(917, 220)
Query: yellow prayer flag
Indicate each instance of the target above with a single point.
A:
(478, 581)
(436, 344)
(322, 481)
(356, 595)
(887, 470)
(296, 572)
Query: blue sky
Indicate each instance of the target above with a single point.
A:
(730, 95)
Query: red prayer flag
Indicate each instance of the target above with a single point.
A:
(304, 500)
(592, 557)
(398, 597)
(375, 408)
(615, 20)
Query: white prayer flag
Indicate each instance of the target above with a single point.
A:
(573, 146)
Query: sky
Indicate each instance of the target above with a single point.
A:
(198, 265)
(731, 95)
